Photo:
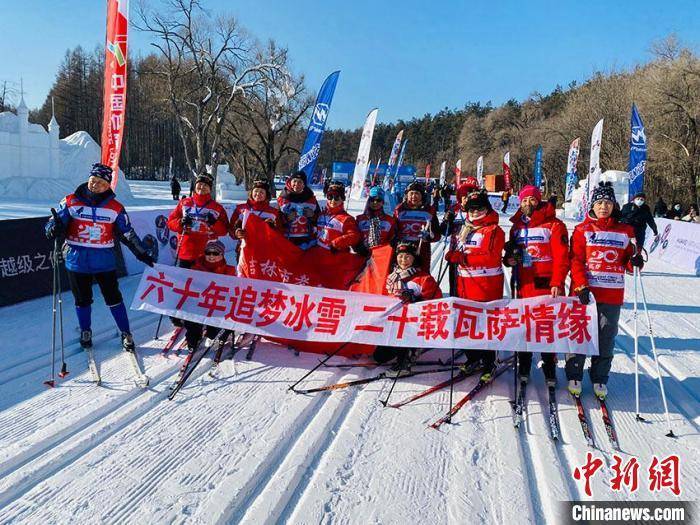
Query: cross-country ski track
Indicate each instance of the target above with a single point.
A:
(243, 449)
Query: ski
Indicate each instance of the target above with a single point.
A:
(185, 373)
(183, 367)
(92, 365)
(221, 342)
(436, 362)
(171, 342)
(554, 430)
(519, 405)
(457, 406)
(585, 427)
(609, 427)
(140, 378)
(356, 382)
(179, 347)
(456, 379)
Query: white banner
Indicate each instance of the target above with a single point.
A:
(458, 173)
(443, 170)
(594, 165)
(358, 177)
(480, 171)
(273, 309)
(678, 243)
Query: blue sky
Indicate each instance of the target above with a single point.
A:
(407, 58)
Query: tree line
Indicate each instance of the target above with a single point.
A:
(211, 94)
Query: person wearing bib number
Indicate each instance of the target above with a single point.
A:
(90, 219)
(602, 249)
(538, 252)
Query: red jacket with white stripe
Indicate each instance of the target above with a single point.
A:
(421, 284)
(544, 242)
(387, 226)
(480, 272)
(193, 239)
(600, 253)
(411, 222)
(337, 229)
(262, 209)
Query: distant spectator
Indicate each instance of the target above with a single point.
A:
(692, 215)
(175, 188)
(661, 208)
(553, 199)
(637, 214)
(676, 212)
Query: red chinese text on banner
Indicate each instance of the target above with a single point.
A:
(114, 105)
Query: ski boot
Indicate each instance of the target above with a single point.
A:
(574, 387)
(403, 364)
(128, 342)
(86, 339)
(600, 390)
(487, 374)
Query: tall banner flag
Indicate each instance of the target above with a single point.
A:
(537, 173)
(427, 174)
(388, 178)
(314, 135)
(480, 171)
(638, 154)
(358, 176)
(458, 173)
(443, 169)
(594, 166)
(571, 178)
(506, 171)
(114, 89)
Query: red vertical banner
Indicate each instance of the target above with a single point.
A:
(114, 100)
(427, 174)
(506, 170)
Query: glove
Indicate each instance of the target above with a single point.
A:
(211, 219)
(637, 261)
(454, 257)
(407, 296)
(270, 223)
(584, 295)
(186, 221)
(239, 233)
(146, 258)
(53, 229)
(425, 235)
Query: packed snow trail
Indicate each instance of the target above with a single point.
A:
(242, 448)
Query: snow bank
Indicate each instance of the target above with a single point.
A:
(620, 182)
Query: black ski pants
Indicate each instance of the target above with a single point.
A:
(81, 286)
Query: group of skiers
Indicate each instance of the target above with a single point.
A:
(538, 250)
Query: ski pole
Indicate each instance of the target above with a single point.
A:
(514, 285)
(58, 258)
(319, 365)
(393, 384)
(636, 347)
(656, 357)
(452, 384)
(52, 381)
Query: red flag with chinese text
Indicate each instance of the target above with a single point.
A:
(267, 254)
(114, 100)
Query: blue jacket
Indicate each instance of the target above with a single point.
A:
(83, 210)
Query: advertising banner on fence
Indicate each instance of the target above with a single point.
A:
(283, 310)
(678, 243)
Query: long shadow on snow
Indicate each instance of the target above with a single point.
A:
(662, 343)
(674, 308)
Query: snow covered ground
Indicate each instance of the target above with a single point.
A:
(243, 449)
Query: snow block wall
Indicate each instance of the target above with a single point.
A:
(620, 181)
(36, 166)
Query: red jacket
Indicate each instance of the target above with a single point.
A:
(299, 212)
(421, 283)
(337, 229)
(410, 222)
(544, 241)
(261, 209)
(193, 240)
(600, 253)
(386, 224)
(221, 267)
(480, 273)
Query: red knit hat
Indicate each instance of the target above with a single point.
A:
(530, 191)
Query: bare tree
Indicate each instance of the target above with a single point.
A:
(209, 62)
(266, 123)
(8, 92)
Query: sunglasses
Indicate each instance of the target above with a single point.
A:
(212, 253)
(375, 199)
(333, 197)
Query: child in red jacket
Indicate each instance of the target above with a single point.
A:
(602, 248)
